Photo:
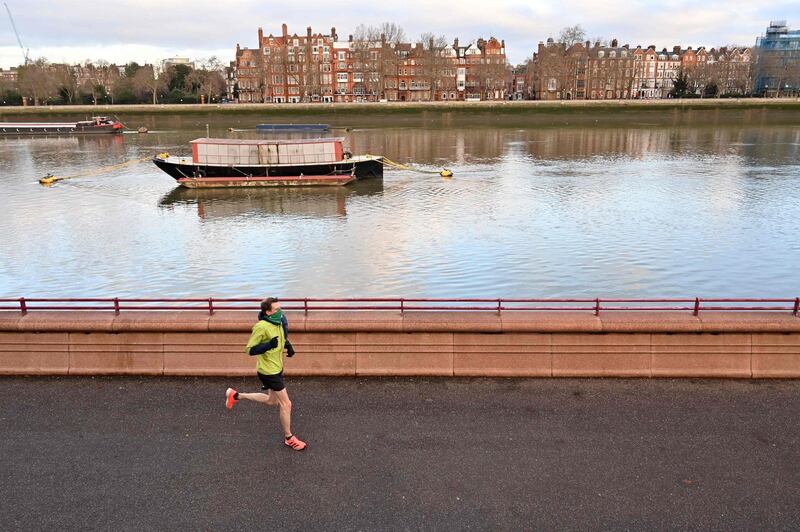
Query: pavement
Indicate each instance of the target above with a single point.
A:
(400, 454)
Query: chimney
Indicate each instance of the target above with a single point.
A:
(430, 43)
(676, 49)
(260, 35)
(383, 38)
(597, 44)
(614, 43)
(285, 30)
(455, 43)
(308, 32)
(588, 44)
(627, 46)
(333, 34)
(350, 38)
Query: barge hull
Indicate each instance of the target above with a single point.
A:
(56, 129)
(365, 169)
(244, 182)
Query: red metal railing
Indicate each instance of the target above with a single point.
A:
(596, 305)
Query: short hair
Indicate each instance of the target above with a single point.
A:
(266, 305)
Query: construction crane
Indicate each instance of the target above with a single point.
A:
(14, 27)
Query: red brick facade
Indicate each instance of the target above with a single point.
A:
(320, 68)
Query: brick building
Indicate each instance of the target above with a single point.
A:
(598, 72)
(315, 67)
(9, 76)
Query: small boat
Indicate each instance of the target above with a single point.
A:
(269, 128)
(97, 125)
(268, 163)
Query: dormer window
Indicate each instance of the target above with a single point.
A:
(601, 53)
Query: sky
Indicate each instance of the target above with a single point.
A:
(148, 31)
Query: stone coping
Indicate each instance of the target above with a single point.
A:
(412, 321)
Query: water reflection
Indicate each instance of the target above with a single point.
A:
(311, 202)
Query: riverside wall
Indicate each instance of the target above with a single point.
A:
(334, 109)
(514, 344)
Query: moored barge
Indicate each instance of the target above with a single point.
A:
(265, 163)
(97, 125)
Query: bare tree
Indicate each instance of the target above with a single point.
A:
(434, 61)
(36, 80)
(208, 79)
(148, 80)
(66, 82)
(572, 35)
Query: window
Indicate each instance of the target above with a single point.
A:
(341, 77)
(296, 42)
(341, 56)
(277, 80)
(551, 84)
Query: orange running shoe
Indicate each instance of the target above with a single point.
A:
(295, 443)
(229, 398)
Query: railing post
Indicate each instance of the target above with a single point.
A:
(697, 306)
(499, 306)
(402, 305)
(305, 306)
(24, 306)
(116, 305)
(796, 306)
(597, 306)
(210, 306)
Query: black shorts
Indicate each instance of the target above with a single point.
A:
(271, 382)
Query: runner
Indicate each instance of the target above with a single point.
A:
(267, 343)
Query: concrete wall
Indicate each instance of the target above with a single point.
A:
(555, 344)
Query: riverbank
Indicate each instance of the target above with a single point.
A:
(502, 107)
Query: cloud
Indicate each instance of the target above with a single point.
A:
(151, 30)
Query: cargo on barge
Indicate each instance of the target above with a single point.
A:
(268, 163)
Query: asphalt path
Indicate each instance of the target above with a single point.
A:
(401, 454)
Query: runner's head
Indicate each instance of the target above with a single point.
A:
(270, 305)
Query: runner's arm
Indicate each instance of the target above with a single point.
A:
(256, 345)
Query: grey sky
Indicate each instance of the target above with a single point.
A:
(148, 30)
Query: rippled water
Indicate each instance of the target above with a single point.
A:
(539, 212)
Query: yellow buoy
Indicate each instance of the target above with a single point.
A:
(446, 173)
(49, 179)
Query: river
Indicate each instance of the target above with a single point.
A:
(643, 210)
